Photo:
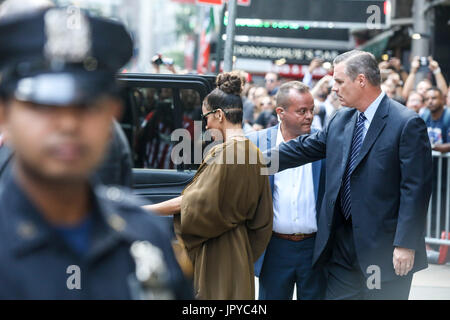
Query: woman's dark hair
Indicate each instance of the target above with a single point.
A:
(227, 96)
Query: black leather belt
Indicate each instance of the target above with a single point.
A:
(294, 236)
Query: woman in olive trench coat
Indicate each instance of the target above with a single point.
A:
(224, 216)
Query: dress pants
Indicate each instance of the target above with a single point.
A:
(345, 279)
(288, 263)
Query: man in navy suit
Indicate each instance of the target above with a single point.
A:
(371, 225)
(296, 197)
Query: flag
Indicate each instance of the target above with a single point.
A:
(205, 42)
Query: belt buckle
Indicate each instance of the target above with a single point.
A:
(301, 236)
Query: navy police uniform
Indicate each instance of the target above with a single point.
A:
(119, 251)
(36, 259)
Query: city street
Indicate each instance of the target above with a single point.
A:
(432, 283)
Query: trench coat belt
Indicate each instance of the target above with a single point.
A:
(294, 236)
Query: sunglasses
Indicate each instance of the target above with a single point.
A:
(205, 115)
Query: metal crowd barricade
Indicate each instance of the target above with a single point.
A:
(434, 228)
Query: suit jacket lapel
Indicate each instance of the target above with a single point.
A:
(376, 126)
(316, 166)
(347, 137)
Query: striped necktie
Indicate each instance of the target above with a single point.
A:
(346, 204)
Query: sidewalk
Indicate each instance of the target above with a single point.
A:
(432, 283)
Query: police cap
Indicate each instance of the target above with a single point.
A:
(61, 56)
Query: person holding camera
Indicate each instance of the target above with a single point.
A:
(158, 60)
(433, 66)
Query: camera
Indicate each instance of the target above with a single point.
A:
(159, 60)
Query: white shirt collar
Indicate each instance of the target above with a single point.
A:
(280, 138)
(370, 111)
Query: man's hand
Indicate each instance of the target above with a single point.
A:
(403, 260)
(415, 64)
(396, 63)
(432, 64)
(383, 65)
(171, 68)
(445, 147)
(156, 67)
(315, 63)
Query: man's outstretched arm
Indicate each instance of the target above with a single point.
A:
(296, 152)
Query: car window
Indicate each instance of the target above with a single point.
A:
(163, 126)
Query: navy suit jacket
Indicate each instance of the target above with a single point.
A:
(390, 185)
(265, 140)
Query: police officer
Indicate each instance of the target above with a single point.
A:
(62, 236)
(116, 167)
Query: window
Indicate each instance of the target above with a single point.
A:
(162, 120)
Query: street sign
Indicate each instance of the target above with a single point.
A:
(295, 32)
(292, 54)
(345, 14)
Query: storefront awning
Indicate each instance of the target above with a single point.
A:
(378, 44)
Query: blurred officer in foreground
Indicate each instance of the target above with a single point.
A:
(61, 236)
(116, 167)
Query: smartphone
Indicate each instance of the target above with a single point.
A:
(424, 61)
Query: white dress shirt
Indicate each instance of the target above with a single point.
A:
(294, 203)
(370, 112)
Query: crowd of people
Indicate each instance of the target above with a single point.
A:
(411, 89)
